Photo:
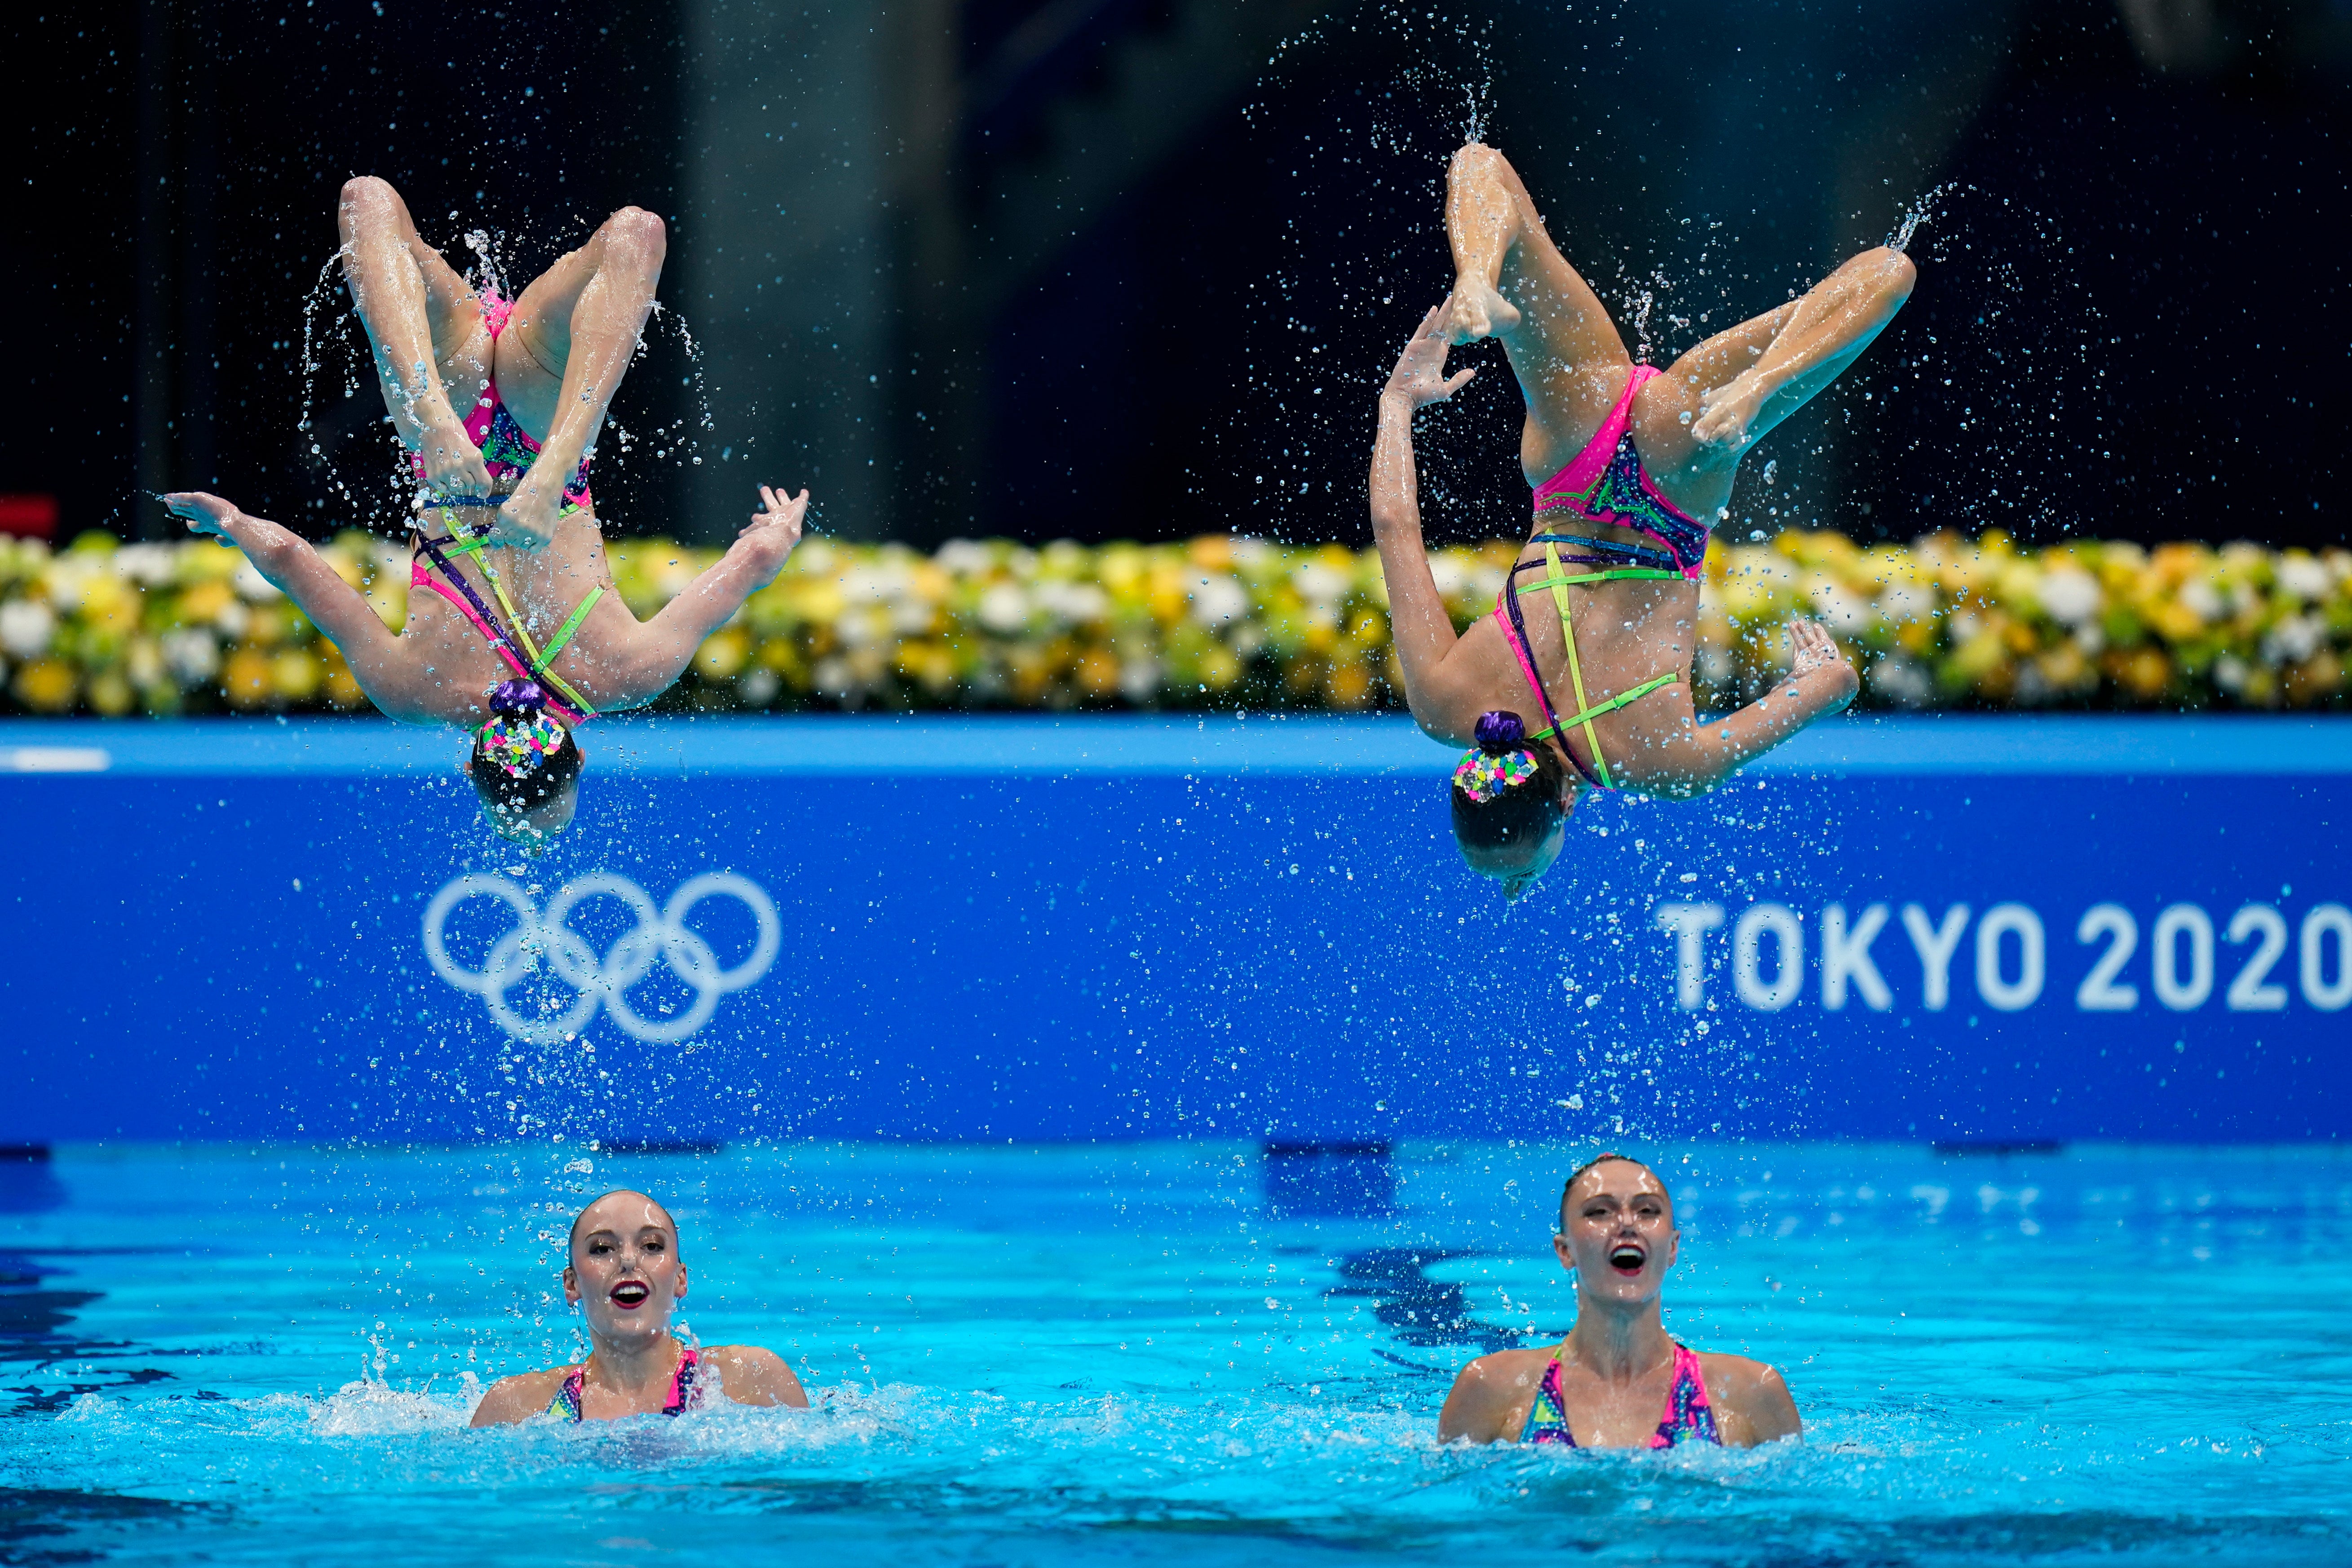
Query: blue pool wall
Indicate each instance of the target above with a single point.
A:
(1105, 926)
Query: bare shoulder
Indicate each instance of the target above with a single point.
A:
(1476, 674)
(519, 1398)
(751, 1375)
(1752, 1404)
(1490, 1397)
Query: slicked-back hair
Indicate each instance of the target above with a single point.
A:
(572, 1241)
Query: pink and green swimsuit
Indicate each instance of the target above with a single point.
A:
(566, 1401)
(1689, 1416)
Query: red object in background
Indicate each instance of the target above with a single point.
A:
(29, 517)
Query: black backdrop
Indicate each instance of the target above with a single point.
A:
(2130, 320)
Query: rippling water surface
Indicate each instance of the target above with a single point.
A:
(1040, 1355)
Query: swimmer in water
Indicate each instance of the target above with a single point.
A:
(513, 632)
(1618, 1381)
(626, 1276)
(1624, 462)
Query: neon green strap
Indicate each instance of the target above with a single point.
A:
(471, 544)
(1588, 710)
(563, 633)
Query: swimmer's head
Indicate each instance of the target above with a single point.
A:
(525, 766)
(1511, 801)
(625, 1270)
(1617, 1229)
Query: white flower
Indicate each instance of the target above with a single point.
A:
(2202, 599)
(1138, 679)
(1901, 680)
(758, 684)
(1450, 573)
(964, 558)
(2301, 577)
(1320, 584)
(25, 626)
(2230, 672)
(2070, 596)
(2293, 639)
(1899, 603)
(192, 654)
(864, 629)
(1842, 610)
(233, 618)
(833, 678)
(1074, 603)
(1004, 609)
(251, 584)
(1217, 599)
(149, 565)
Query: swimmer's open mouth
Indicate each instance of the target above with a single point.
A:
(1627, 1259)
(629, 1295)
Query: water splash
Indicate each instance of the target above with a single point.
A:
(1921, 210)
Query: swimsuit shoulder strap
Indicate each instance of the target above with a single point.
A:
(1689, 1416)
(1548, 1417)
(682, 1381)
(566, 1403)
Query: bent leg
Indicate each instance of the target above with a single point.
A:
(568, 343)
(1511, 282)
(1692, 423)
(432, 351)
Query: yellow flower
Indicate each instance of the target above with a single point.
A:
(246, 677)
(723, 655)
(47, 686)
(295, 675)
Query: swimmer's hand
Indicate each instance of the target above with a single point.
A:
(1420, 377)
(526, 520)
(453, 464)
(207, 515)
(1727, 415)
(1816, 651)
(774, 530)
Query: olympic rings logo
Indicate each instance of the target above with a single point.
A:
(543, 941)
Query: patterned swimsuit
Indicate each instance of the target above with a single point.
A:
(566, 1401)
(1689, 1418)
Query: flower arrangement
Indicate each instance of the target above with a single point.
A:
(1224, 622)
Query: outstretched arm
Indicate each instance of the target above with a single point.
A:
(1820, 682)
(657, 654)
(1423, 632)
(380, 662)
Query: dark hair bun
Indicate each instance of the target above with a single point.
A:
(1501, 733)
(520, 698)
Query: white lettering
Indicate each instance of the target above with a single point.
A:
(1847, 957)
(2099, 992)
(1690, 923)
(1779, 923)
(2018, 921)
(2323, 922)
(2248, 994)
(2182, 994)
(1935, 945)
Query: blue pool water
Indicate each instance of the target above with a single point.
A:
(265, 1353)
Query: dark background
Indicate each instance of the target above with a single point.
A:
(1132, 267)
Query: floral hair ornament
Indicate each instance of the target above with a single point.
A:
(519, 736)
(1500, 759)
